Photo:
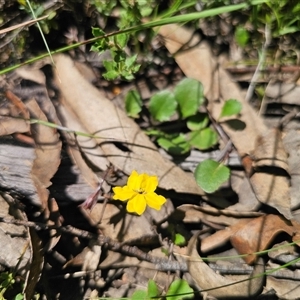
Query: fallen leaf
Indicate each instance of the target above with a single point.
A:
(273, 190)
(240, 183)
(285, 289)
(80, 144)
(48, 148)
(196, 214)
(219, 286)
(283, 92)
(258, 234)
(292, 145)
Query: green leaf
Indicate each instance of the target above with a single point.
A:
(152, 289)
(179, 240)
(130, 61)
(231, 107)
(19, 297)
(177, 288)
(121, 40)
(155, 132)
(111, 75)
(162, 105)
(241, 36)
(210, 175)
(197, 122)
(176, 145)
(203, 139)
(140, 295)
(133, 104)
(189, 95)
(109, 65)
(97, 31)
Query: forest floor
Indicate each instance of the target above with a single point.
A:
(75, 130)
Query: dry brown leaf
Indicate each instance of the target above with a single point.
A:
(9, 121)
(195, 214)
(258, 234)
(285, 289)
(221, 237)
(220, 286)
(249, 129)
(48, 148)
(292, 145)
(84, 144)
(240, 183)
(9, 125)
(269, 151)
(101, 117)
(283, 92)
(273, 190)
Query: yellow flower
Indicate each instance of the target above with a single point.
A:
(139, 192)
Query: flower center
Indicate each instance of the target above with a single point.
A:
(140, 191)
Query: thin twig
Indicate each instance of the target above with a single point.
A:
(159, 263)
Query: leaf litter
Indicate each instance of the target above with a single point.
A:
(247, 227)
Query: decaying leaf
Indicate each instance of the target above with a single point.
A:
(285, 289)
(195, 214)
(283, 92)
(48, 148)
(258, 234)
(85, 144)
(219, 286)
(240, 183)
(292, 145)
(273, 190)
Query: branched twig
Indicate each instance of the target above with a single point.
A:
(160, 263)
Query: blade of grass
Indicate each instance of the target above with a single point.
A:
(160, 22)
(41, 31)
(29, 23)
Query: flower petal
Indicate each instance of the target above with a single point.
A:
(123, 193)
(155, 201)
(134, 181)
(137, 204)
(149, 183)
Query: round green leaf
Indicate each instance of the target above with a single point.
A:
(140, 295)
(189, 95)
(162, 105)
(133, 104)
(203, 139)
(231, 107)
(179, 240)
(177, 288)
(176, 145)
(198, 121)
(152, 289)
(210, 175)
